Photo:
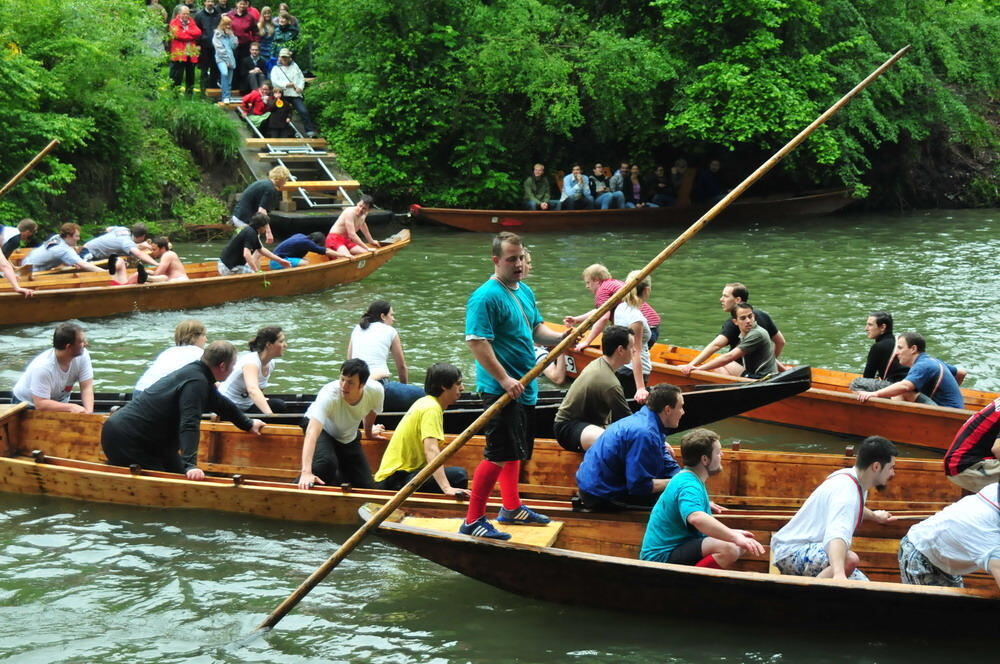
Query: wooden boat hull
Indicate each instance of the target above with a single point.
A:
(88, 295)
(527, 221)
(827, 406)
(574, 571)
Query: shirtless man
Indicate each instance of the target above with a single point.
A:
(343, 236)
(171, 268)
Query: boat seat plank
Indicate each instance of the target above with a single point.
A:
(320, 185)
(534, 535)
(292, 156)
(264, 142)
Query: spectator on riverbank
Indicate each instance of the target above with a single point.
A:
(600, 190)
(224, 43)
(208, 18)
(184, 49)
(266, 27)
(286, 31)
(279, 119)
(287, 76)
(48, 379)
(576, 191)
(617, 181)
(260, 198)
(538, 191)
(710, 185)
(255, 104)
(283, 9)
(636, 191)
(253, 69)
(245, 29)
(661, 188)
(59, 250)
(23, 235)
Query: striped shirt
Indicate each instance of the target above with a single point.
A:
(974, 441)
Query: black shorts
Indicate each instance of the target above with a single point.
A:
(510, 434)
(568, 433)
(688, 553)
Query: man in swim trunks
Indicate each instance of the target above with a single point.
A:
(343, 237)
(295, 248)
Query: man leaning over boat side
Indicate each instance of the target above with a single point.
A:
(596, 398)
(118, 241)
(345, 236)
(733, 294)
(753, 357)
(294, 249)
(882, 367)
(928, 381)
(502, 325)
(630, 464)
(817, 540)
(242, 254)
(331, 448)
(973, 459)
(48, 380)
(166, 417)
(960, 539)
(260, 197)
(681, 528)
(538, 191)
(417, 440)
(598, 280)
(58, 250)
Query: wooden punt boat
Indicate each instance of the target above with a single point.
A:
(827, 406)
(255, 475)
(594, 563)
(701, 406)
(62, 296)
(764, 208)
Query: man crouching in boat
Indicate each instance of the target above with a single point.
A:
(166, 417)
(817, 541)
(753, 357)
(631, 463)
(681, 527)
(48, 380)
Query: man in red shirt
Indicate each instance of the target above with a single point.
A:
(973, 460)
(598, 281)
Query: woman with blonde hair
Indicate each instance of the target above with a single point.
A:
(634, 375)
(224, 42)
(266, 27)
(189, 344)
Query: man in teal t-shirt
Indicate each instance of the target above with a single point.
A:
(681, 527)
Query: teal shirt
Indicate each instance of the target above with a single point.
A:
(668, 525)
(507, 318)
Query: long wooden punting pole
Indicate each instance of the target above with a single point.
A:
(571, 336)
(31, 164)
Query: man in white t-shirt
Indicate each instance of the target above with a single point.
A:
(48, 380)
(331, 450)
(960, 539)
(817, 540)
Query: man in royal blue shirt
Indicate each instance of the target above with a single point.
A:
(681, 527)
(295, 248)
(928, 381)
(631, 463)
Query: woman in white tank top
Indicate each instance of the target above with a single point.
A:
(372, 340)
(245, 385)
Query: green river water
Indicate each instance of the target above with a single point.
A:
(97, 583)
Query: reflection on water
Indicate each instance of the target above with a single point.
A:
(89, 583)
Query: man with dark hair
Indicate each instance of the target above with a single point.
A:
(882, 367)
(538, 191)
(48, 380)
(631, 463)
(331, 449)
(208, 19)
(170, 268)
(417, 439)
(600, 190)
(295, 248)
(753, 357)
(118, 241)
(595, 399)
(21, 236)
(60, 250)
(958, 540)
(166, 417)
(973, 460)
(733, 294)
(817, 540)
(242, 254)
(502, 326)
(576, 191)
(681, 527)
(343, 237)
(928, 381)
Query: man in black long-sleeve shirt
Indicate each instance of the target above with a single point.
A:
(159, 430)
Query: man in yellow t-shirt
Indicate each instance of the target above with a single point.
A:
(417, 439)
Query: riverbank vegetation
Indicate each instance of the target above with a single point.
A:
(88, 73)
(450, 101)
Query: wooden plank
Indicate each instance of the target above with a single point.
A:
(534, 535)
(320, 185)
(264, 142)
(293, 156)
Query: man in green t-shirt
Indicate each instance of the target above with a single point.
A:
(416, 442)
(756, 349)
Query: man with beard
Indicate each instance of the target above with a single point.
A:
(681, 527)
(817, 540)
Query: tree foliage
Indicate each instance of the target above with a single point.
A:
(81, 71)
(449, 101)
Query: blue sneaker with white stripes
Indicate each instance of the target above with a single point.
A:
(481, 527)
(522, 516)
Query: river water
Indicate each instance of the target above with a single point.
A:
(98, 583)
